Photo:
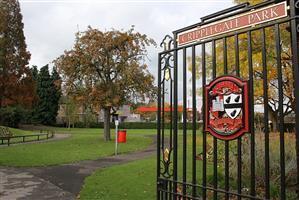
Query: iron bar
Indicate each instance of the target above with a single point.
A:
(221, 191)
(215, 156)
(223, 12)
(184, 120)
(170, 114)
(237, 56)
(175, 117)
(281, 114)
(214, 73)
(226, 179)
(179, 195)
(170, 123)
(159, 127)
(266, 115)
(204, 136)
(252, 138)
(239, 145)
(224, 56)
(194, 119)
(295, 60)
(163, 115)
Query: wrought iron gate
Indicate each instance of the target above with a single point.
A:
(262, 163)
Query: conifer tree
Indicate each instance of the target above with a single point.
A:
(16, 84)
(48, 91)
(34, 72)
(55, 94)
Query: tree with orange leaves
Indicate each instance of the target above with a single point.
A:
(271, 65)
(105, 70)
(271, 62)
(16, 83)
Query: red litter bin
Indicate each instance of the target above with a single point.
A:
(122, 136)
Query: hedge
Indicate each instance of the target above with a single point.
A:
(131, 125)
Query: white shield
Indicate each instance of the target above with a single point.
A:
(232, 105)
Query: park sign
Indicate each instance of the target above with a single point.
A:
(248, 19)
(227, 111)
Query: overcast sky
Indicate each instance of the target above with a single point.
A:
(50, 25)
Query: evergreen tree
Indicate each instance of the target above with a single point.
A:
(16, 84)
(48, 90)
(41, 114)
(33, 111)
(34, 72)
(55, 93)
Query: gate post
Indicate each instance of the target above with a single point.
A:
(175, 117)
(159, 127)
(294, 9)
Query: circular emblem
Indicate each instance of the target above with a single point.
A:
(227, 110)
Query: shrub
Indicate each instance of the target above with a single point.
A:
(132, 125)
(12, 116)
(274, 154)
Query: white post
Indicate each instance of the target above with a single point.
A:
(116, 135)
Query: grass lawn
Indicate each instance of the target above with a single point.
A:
(84, 144)
(19, 132)
(135, 180)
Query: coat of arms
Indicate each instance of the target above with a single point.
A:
(227, 110)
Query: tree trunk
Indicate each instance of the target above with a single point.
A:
(273, 115)
(107, 124)
(69, 123)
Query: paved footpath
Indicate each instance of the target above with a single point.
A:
(61, 182)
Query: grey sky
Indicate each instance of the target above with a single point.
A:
(50, 25)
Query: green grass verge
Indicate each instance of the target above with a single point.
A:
(135, 180)
(84, 144)
(19, 132)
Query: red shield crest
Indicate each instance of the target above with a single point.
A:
(227, 112)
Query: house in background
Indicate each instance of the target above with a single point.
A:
(73, 114)
(125, 114)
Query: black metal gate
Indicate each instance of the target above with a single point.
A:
(261, 164)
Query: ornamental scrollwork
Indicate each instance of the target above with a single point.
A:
(167, 60)
(166, 164)
(167, 43)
